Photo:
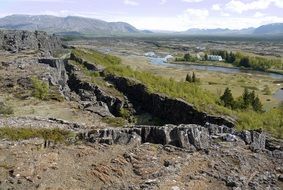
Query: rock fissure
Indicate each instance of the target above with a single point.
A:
(174, 111)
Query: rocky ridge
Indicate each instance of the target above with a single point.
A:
(198, 152)
(16, 41)
(191, 137)
(175, 111)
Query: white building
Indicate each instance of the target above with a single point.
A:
(150, 54)
(168, 58)
(214, 58)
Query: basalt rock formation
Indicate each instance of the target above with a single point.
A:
(175, 111)
(58, 74)
(15, 41)
(190, 137)
(92, 95)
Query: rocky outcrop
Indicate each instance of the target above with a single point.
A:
(190, 137)
(15, 41)
(183, 136)
(256, 139)
(92, 95)
(58, 74)
(174, 111)
(86, 64)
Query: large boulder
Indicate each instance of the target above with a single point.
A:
(256, 139)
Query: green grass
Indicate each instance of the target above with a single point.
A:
(96, 78)
(15, 134)
(203, 100)
(115, 121)
(271, 121)
(43, 91)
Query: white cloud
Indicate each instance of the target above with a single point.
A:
(222, 13)
(239, 6)
(182, 23)
(162, 2)
(131, 2)
(259, 14)
(53, 1)
(216, 7)
(279, 3)
(192, 1)
(197, 13)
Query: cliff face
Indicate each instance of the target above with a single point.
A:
(15, 41)
(170, 110)
(174, 111)
(58, 74)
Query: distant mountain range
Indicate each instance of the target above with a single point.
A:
(269, 29)
(73, 25)
(66, 25)
(276, 28)
(219, 31)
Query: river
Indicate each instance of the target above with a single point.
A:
(160, 62)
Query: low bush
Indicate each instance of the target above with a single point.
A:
(40, 89)
(15, 134)
(5, 109)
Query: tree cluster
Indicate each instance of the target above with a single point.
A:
(192, 78)
(189, 57)
(258, 63)
(254, 62)
(246, 101)
(229, 57)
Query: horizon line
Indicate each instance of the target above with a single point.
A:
(86, 17)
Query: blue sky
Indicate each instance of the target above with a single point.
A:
(174, 15)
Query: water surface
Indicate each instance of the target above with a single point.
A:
(160, 62)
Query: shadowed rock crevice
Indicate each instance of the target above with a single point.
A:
(175, 111)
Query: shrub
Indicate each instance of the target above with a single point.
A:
(124, 113)
(267, 90)
(5, 110)
(40, 89)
